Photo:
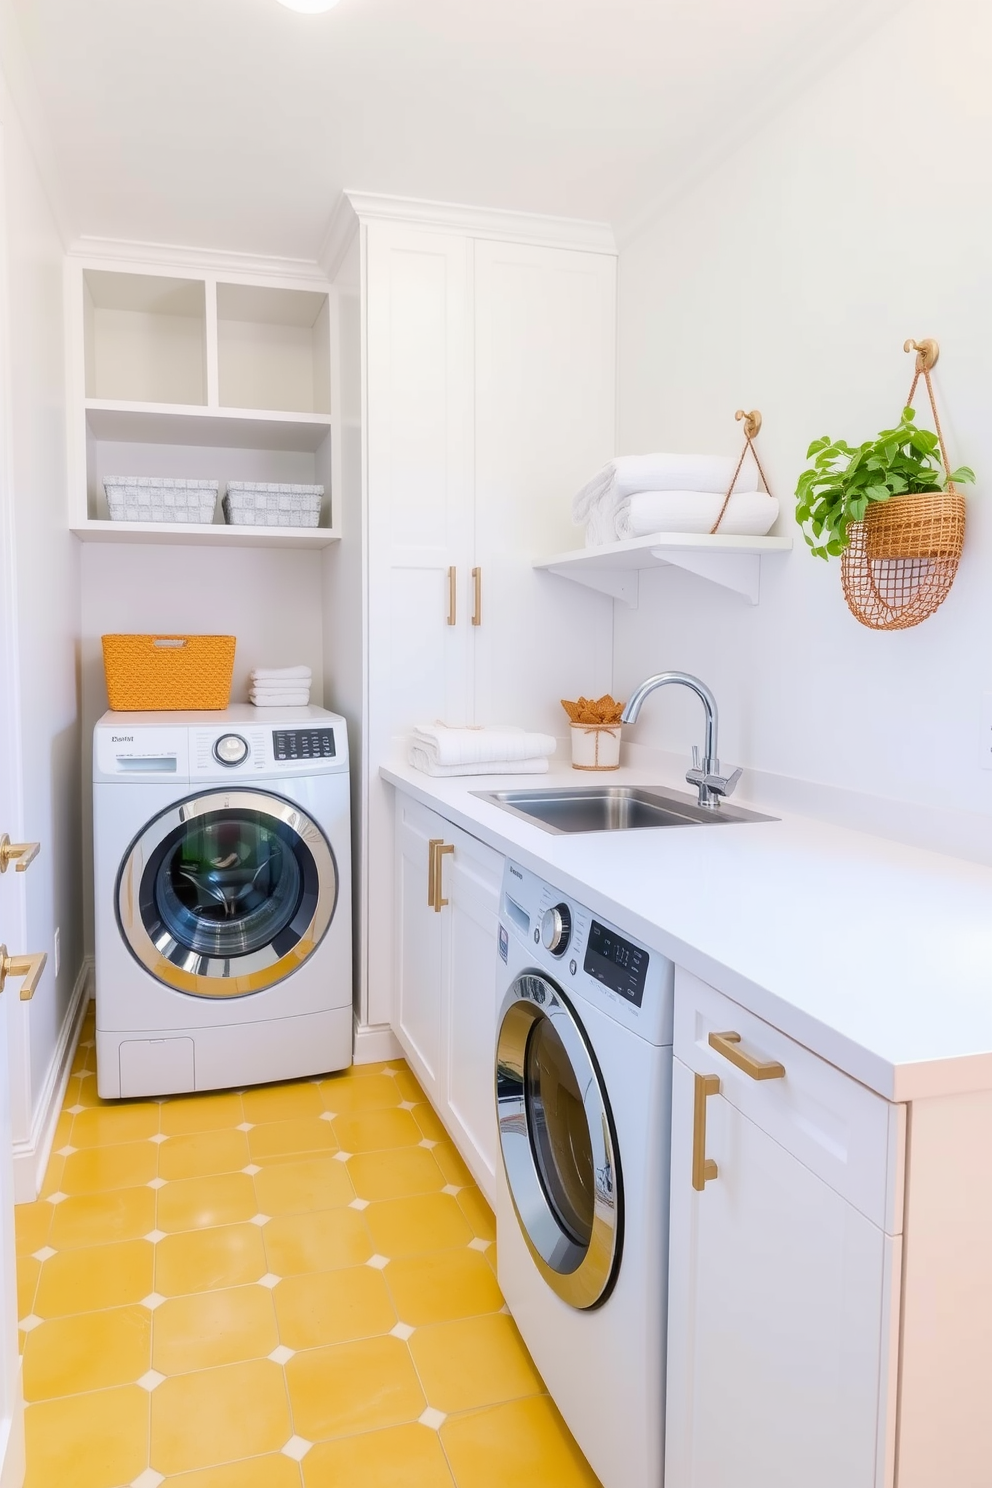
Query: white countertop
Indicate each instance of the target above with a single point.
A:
(875, 955)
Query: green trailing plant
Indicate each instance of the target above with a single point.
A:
(844, 479)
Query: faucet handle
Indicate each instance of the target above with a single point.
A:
(706, 775)
(723, 785)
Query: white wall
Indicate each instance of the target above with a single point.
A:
(788, 281)
(270, 599)
(46, 560)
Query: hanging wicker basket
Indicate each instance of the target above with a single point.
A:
(900, 562)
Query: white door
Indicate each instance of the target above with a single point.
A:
(471, 881)
(545, 336)
(775, 1314)
(418, 944)
(12, 923)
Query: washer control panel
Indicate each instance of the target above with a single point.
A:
(231, 749)
(585, 954)
(303, 744)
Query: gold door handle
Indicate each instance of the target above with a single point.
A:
(477, 596)
(440, 852)
(21, 853)
(703, 1168)
(432, 847)
(28, 967)
(452, 595)
(759, 1069)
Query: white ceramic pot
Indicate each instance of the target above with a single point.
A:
(595, 746)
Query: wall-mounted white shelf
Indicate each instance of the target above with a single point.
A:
(196, 376)
(614, 568)
(216, 533)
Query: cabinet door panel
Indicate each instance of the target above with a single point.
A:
(418, 947)
(420, 500)
(545, 330)
(776, 1316)
(472, 881)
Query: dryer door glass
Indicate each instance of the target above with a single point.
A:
(226, 894)
(558, 1143)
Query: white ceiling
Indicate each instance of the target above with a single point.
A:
(235, 124)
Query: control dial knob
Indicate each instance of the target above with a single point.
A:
(556, 929)
(231, 749)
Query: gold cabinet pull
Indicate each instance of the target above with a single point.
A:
(440, 852)
(452, 595)
(759, 1069)
(29, 968)
(21, 853)
(477, 592)
(703, 1168)
(432, 847)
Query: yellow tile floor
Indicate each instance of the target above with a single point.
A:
(288, 1287)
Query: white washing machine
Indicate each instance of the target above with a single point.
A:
(583, 1090)
(222, 856)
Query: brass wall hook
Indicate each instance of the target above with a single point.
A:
(751, 421)
(927, 352)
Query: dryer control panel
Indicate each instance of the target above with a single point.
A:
(585, 953)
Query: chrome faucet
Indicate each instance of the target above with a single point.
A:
(705, 772)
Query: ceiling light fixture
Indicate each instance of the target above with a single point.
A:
(309, 7)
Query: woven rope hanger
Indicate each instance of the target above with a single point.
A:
(752, 426)
(927, 353)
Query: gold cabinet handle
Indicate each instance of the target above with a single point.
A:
(432, 847)
(759, 1069)
(452, 595)
(21, 853)
(477, 590)
(703, 1168)
(440, 852)
(28, 967)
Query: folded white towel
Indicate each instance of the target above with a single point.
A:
(628, 474)
(422, 760)
(474, 746)
(281, 674)
(284, 700)
(270, 689)
(748, 514)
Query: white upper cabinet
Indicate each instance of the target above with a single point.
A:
(195, 376)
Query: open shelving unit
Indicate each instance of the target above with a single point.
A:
(615, 568)
(203, 377)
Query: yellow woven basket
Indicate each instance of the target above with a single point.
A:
(156, 673)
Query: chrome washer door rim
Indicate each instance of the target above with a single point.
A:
(582, 1274)
(260, 970)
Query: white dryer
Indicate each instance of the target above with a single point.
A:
(583, 1092)
(222, 884)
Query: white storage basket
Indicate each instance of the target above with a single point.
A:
(259, 504)
(142, 498)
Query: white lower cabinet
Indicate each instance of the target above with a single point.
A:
(782, 1290)
(448, 888)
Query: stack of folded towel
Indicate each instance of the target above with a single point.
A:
(438, 750)
(281, 687)
(639, 495)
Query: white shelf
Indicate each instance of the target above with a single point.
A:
(221, 428)
(614, 568)
(216, 533)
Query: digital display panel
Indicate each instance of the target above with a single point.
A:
(303, 744)
(616, 963)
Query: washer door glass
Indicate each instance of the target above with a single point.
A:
(226, 894)
(558, 1145)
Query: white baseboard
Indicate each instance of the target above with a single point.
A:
(12, 1454)
(375, 1043)
(31, 1156)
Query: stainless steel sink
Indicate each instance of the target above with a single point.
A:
(614, 808)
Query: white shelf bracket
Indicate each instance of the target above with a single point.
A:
(739, 572)
(619, 583)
